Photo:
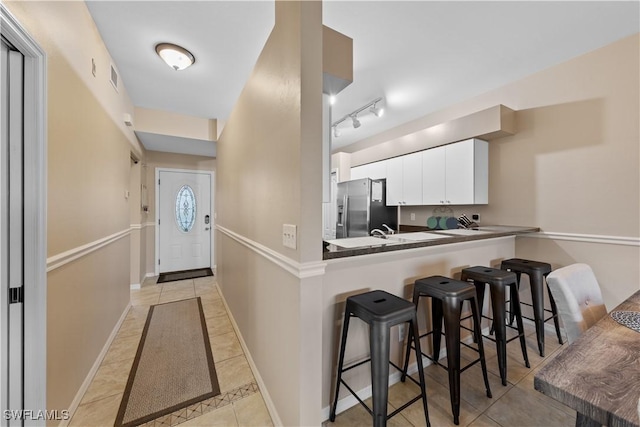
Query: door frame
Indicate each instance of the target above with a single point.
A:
(212, 176)
(35, 212)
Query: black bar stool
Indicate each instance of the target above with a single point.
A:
(447, 296)
(537, 272)
(381, 310)
(498, 280)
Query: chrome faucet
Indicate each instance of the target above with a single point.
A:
(389, 229)
(376, 232)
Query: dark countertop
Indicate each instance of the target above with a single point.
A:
(333, 251)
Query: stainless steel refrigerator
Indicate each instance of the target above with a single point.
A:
(362, 206)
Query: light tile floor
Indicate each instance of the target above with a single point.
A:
(240, 402)
(516, 404)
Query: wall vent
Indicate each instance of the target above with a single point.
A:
(114, 78)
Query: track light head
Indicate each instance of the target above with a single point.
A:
(378, 111)
(356, 122)
(336, 131)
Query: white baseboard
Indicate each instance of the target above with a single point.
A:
(254, 369)
(134, 286)
(96, 365)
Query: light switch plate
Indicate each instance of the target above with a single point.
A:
(289, 235)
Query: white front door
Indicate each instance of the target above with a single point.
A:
(184, 220)
(11, 232)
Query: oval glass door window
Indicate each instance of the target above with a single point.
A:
(185, 209)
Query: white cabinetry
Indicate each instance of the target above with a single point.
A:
(375, 170)
(404, 180)
(456, 174)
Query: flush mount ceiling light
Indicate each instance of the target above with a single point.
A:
(175, 56)
(373, 108)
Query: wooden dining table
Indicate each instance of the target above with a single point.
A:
(598, 375)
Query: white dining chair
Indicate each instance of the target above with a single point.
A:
(578, 298)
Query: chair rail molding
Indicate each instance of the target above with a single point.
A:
(589, 238)
(299, 270)
(66, 257)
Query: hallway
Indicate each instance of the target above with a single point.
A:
(240, 402)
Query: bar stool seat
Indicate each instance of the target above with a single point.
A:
(380, 310)
(447, 296)
(537, 272)
(498, 281)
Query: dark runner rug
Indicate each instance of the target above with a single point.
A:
(173, 367)
(183, 275)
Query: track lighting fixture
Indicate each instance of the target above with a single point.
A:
(372, 108)
(378, 111)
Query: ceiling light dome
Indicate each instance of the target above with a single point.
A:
(175, 56)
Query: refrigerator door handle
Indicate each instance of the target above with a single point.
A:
(346, 220)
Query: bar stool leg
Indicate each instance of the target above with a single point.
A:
(537, 298)
(523, 343)
(423, 388)
(343, 342)
(436, 320)
(403, 377)
(480, 289)
(379, 347)
(452, 340)
(499, 317)
(554, 312)
(476, 327)
(511, 311)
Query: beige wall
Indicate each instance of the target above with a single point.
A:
(88, 173)
(573, 165)
(168, 123)
(273, 131)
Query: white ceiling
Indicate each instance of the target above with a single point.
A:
(420, 56)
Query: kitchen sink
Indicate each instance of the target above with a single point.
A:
(462, 232)
(415, 237)
(358, 242)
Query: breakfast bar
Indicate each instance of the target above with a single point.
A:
(362, 264)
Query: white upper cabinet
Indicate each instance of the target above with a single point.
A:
(375, 170)
(456, 174)
(433, 176)
(404, 180)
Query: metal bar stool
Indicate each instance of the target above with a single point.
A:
(380, 310)
(498, 280)
(447, 296)
(537, 272)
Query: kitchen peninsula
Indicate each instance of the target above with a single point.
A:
(393, 265)
(341, 248)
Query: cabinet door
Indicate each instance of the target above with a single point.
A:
(394, 181)
(375, 170)
(412, 179)
(378, 170)
(460, 173)
(358, 172)
(433, 176)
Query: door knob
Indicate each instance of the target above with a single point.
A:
(206, 229)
